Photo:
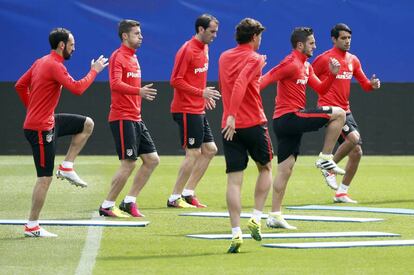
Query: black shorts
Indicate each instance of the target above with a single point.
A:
(349, 127)
(254, 141)
(132, 139)
(194, 129)
(44, 142)
(290, 127)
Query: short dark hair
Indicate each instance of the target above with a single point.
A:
(246, 29)
(204, 21)
(57, 35)
(340, 27)
(126, 25)
(300, 34)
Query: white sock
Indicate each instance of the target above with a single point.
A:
(108, 204)
(32, 224)
(277, 213)
(235, 231)
(129, 199)
(257, 215)
(67, 164)
(188, 192)
(342, 189)
(325, 156)
(174, 197)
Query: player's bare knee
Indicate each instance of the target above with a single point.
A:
(152, 161)
(88, 126)
(354, 138)
(265, 168)
(338, 113)
(44, 181)
(192, 153)
(210, 151)
(128, 164)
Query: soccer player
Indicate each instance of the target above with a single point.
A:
(191, 97)
(291, 119)
(244, 126)
(132, 138)
(39, 89)
(338, 95)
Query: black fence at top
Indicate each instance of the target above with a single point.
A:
(385, 118)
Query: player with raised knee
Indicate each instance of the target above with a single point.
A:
(291, 119)
(338, 95)
(39, 89)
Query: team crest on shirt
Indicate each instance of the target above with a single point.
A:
(191, 141)
(350, 67)
(345, 128)
(49, 137)
(129, 152)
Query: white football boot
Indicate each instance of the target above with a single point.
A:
(277, 221)
(37, 232)
(330, 179)
(343, 198)
(70, 175)
(328, 164)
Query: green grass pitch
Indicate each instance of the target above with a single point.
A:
(162, 248)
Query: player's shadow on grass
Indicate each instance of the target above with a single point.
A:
(150, 257)
(17, 238)
(367, 203)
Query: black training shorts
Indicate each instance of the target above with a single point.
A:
(132, 139)
(290, 127)
(254, 141)
(43, 143)
(194, 129)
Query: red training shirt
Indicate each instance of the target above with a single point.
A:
(338, 94)
(125, 84)
(240, 69)
(292, 75)
(40, 87)
(189, 77)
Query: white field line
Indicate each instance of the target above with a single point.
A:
(90, 249)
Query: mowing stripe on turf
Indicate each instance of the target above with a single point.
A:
(341, 244)
(402, 211)
(287, 217)
(79, 223)
(299, 235)
(91, 248)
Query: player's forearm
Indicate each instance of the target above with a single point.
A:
(181, 84)
(124, 88)
(80, 86)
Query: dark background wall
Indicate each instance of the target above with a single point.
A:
(385, 117)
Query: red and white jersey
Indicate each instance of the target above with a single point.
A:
(40, 87)
(240, 69)
(292, 75)
(189, 78)
(338, 94)
(125, 83)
